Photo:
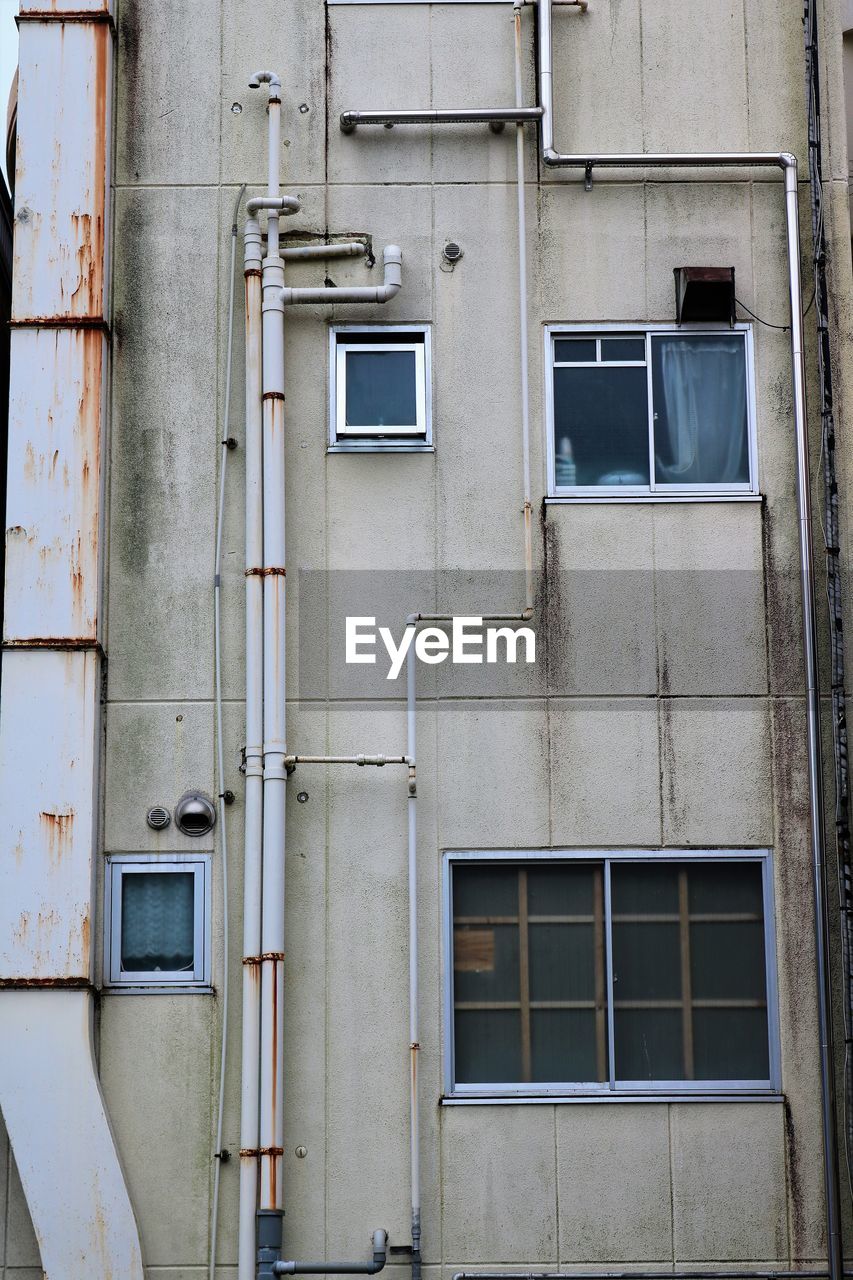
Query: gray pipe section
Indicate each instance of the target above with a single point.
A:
(380, 1244)
(473, 115)
(305, 252)
(392, 257)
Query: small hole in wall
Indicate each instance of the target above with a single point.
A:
(236, 108)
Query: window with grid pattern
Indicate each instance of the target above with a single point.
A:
(610, 974)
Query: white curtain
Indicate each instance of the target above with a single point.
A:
(704, 419)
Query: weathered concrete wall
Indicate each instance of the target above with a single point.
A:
(682, 723)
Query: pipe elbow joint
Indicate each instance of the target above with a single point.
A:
(392, 261)
(380, 1245)
(266, 77)
(787, 160)
(551, 158)
(347, 122)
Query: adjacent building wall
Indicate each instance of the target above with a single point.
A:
(680, 720)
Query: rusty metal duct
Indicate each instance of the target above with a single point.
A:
(49, 727)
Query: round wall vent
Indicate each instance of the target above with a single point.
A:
(158, 817)
(194, 814)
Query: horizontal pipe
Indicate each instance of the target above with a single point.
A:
(380, 1243)
(350, 120)
(666, 160)
(524, 616)
(392, 257)
(302, 252)
(379, 761)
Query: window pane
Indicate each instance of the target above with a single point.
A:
(646, 963)
(485, 962)
(730, 1044)
(560, 890)
(157, 922)
(699, 389)
(561, 962)
(689, 973)
(488, 1046)
(573, 350)
(601, 429)
(563, 1046)
(485, 891)
(648, 1044)
(380, 389)
(623, 349)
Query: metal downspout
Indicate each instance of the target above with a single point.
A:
(270, 1205)
(253, 767)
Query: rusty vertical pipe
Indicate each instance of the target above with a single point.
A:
(270, 1202)
(252, 856)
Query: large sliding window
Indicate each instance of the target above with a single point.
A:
(622, 972)
(651, 412)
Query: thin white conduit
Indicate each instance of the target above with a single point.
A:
(220, 764)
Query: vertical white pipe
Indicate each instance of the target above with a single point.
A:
(254, 764)
(275, 777)
(522, 320)
(414, 1044)
(220, 750)
(815, 759)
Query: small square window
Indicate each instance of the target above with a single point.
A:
(610, 973)
(157, 921)
(663, 413)
(380, 388)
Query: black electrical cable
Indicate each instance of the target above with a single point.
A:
(785, 328)
(833, 564)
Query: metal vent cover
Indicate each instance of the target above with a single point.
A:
(158, 817)
(195, 814)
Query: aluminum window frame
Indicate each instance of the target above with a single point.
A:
(612, 1089)
(653, 492)
(404, 441)
(117, 866)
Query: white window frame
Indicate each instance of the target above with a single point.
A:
(654, 492)
(403, 439)
(120, 865)
(612, 1090)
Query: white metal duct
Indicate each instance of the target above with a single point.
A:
(49, 721)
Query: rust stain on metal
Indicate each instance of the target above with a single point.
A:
(273, 395)
(74, 15)
(61, 322)
(77, 984)
(252, 960)
(59, 830)
(54, 642)
(249, 1153)
(271, 1151)
(270, 572)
